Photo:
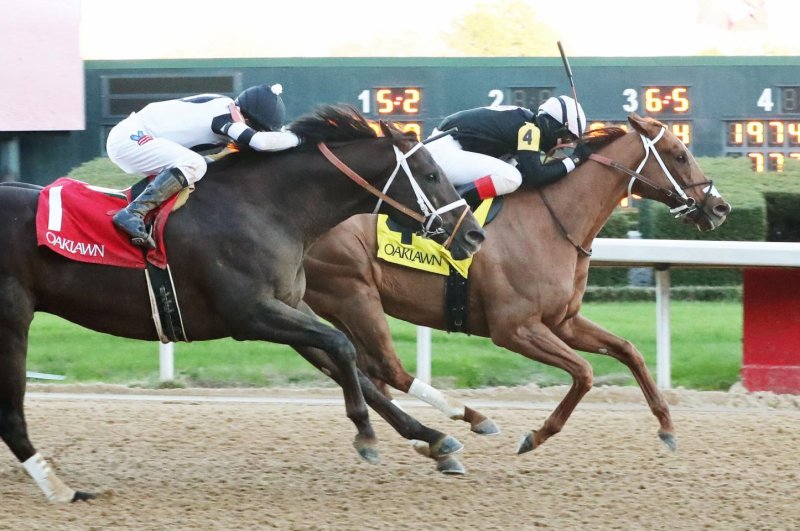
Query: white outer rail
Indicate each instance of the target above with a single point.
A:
(692, 253)
(662, 255)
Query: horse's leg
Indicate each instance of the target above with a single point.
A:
(537, 342)
(439, 445)
(370, 333)
(273, 320)
(582, 334)
(15, 317)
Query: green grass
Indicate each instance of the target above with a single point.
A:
(706, 353)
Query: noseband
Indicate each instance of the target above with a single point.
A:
(430, 217)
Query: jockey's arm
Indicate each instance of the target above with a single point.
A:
(537, 174)
(244, 135)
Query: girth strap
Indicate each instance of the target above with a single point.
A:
(164, 304)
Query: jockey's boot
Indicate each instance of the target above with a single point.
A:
(476, 191)
(131, 218)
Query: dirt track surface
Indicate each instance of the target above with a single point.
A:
(180, 461)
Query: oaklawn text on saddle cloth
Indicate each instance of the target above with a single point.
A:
(73, 219)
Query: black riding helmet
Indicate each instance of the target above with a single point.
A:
(263, 107)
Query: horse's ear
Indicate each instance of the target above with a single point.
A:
(390, 132)
(385, 129)
(644, 126)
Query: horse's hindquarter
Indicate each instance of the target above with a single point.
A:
(103, 298)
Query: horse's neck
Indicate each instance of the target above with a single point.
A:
(306, 192)
(371, 161)
(584, 200)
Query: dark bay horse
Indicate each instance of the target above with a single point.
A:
(236, 253)
(528, 281)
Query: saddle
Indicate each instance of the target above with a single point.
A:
(73, 219)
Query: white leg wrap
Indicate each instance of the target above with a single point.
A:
(452, 408)
(43, 475)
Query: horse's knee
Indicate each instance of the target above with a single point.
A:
(584, 377)
(341, 349)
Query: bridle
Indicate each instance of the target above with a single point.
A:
(429, 216)
(678, 192)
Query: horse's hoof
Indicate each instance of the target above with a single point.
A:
(368, 450)
(668, 439)
(445, 446)
(526, 443)
(486, 427)
(451, 466)
(83, 496)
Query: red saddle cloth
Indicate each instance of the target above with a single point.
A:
(73, 219)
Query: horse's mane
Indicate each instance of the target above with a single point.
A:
(332, 123)
(598, 138)
(324, 123)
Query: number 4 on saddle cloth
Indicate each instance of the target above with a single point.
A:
(401, 246)
(73, 219)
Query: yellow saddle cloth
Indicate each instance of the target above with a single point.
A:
(422, 253)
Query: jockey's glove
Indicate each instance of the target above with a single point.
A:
(581, 153)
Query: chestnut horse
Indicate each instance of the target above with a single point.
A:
(527, 283)
(236, 252)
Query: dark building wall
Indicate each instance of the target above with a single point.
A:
(719, 106)
(47, 156)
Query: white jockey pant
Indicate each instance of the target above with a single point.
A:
(131, 147)
(463, 167)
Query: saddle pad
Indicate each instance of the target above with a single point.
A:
(422, 253)
(73, 219)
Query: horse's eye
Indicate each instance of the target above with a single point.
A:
(431, 177)
(681, 158)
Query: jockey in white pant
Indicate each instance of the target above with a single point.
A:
(487, 137)
(164, 139)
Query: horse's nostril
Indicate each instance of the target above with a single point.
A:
(476, 236)
(722, 210)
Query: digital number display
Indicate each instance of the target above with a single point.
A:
(406, 127)
(682, 129)
(758, 133)
(790, 100)
(767, 160)
(666, 100)
(529, 97)
(767, 143)
(391, 100)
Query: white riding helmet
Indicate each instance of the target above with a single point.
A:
(567, 112)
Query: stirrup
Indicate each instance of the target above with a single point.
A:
(139, 238)
(148, 243)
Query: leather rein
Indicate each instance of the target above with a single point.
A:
(428, 217)
(687, 204)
